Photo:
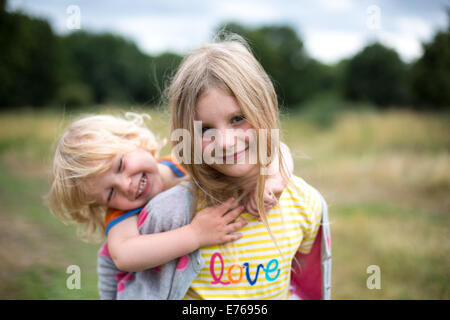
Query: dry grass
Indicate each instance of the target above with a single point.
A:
(385, 176)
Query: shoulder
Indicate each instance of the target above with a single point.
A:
(169, 209)
(114, 216)
(173, 165)
(177, 196)
(304, 197)
(301, 190)
(310, 207)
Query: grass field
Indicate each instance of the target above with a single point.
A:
(385, 176)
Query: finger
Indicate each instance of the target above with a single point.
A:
(225, 206)
(236, 226)
(271, 204)
(232, 237)
(269, 197)
(233, 214)
(246, 203)
(252, 211)
(252, 207)
(267, 208)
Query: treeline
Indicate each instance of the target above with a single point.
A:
(376, 74)
(40, 68)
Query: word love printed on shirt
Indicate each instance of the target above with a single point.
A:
(269, 270)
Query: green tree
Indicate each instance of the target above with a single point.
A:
(430, 74)
(376, 74)
(163, 67)
(30, 60)
(281, 53)
(113, 68)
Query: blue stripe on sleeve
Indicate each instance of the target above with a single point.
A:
(174, 168)
(121, 218)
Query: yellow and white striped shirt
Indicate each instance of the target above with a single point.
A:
(252, 267)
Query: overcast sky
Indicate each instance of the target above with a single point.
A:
(330, 29)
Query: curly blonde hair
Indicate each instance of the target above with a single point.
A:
(85, 150)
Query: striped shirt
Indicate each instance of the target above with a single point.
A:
(252, 267)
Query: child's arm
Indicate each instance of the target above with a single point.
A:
(275, 183)
(132, 251)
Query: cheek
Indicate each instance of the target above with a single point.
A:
(250, 134)
(205, 143)
(246, 126)
(148, 161)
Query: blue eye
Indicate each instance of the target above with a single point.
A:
(237, 119)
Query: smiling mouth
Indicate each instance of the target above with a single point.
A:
(233, 157)
(142, 185)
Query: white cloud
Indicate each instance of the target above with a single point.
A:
(330, 46)
(405, 36)
(413, 26)
(247, 11)
(155, 33)
(408, 47)
(337, 6)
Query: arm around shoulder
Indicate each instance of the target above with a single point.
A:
(165, 234)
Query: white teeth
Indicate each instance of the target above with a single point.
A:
(142, 185)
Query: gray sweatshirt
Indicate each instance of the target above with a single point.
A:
(167, 211)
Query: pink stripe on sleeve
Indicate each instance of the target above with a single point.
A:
(142, 216)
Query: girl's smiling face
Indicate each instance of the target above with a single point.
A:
(221, 113)
(130, 183)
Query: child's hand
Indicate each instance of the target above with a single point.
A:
(275, 184)
(272, 192)
(214, 225)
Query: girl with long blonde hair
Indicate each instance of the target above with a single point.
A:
(223, 98)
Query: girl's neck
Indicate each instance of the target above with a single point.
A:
(249, 182)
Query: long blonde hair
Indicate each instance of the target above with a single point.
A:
(85, 150)
(228, 65)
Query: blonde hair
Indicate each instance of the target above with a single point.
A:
(228, 65)
(85, 150)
